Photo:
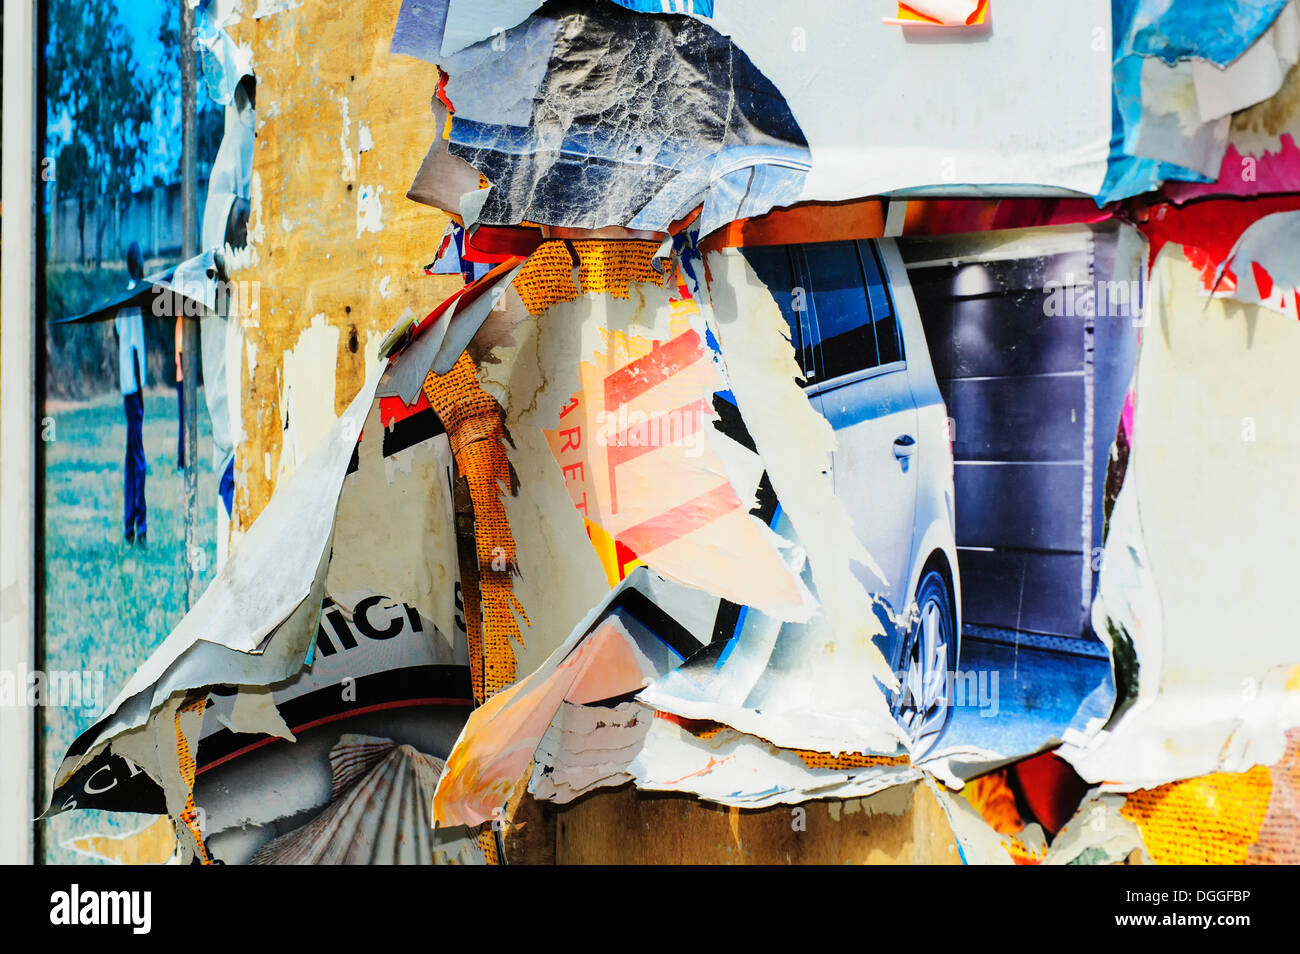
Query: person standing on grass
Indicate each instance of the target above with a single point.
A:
(180, 397)
(129, 325)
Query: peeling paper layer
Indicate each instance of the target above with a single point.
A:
(588, 747)
(1266, 264)
(254, 623)
(570, 134)
(394, 527)
(610, 403)
(1255, 75)
(1262, 157)
(769, 680)
(1219, 680)
(729, 768)
(616, 650)
(795, 443)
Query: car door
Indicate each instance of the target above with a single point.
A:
(861, 386)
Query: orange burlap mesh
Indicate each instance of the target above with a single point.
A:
(487, 843)
(704, 729)
(1214, 819)
(477, 436)
(478, 440)
(850, 760)
(185, 759)
(608, 267)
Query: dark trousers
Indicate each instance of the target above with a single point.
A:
(133, 491)
(180, 420)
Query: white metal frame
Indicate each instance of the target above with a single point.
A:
(18, 432)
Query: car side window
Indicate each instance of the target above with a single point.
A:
(772, 265)
(889, 340)
(839, 299)
(854, 313)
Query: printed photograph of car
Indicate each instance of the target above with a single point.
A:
(974, 420)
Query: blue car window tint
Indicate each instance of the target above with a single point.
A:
(772, 265)
(888, 339)
(848, 342)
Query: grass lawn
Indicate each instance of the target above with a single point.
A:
(107, 605)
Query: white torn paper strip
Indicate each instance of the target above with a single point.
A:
(795, 443)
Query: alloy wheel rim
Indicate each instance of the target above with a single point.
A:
(923, 697)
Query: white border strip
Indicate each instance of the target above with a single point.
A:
(18, 429)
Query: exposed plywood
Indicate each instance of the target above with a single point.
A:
(332, 235)
(529, 833)
(904, 825)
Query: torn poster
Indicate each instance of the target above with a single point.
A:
(254, 628)
(1214, 396)
(620, 171)
(1262, 157)
(643, 628)
(254, 623)
(566, 134)
(1176, 82)
(616, 400)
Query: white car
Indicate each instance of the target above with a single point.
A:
(858, 336)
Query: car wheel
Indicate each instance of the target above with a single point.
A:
(922, 703)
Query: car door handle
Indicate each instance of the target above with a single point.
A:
(904, 446)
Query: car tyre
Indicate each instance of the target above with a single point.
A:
(923, 702)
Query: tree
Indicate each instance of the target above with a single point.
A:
(74, 166)
(92, 74)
